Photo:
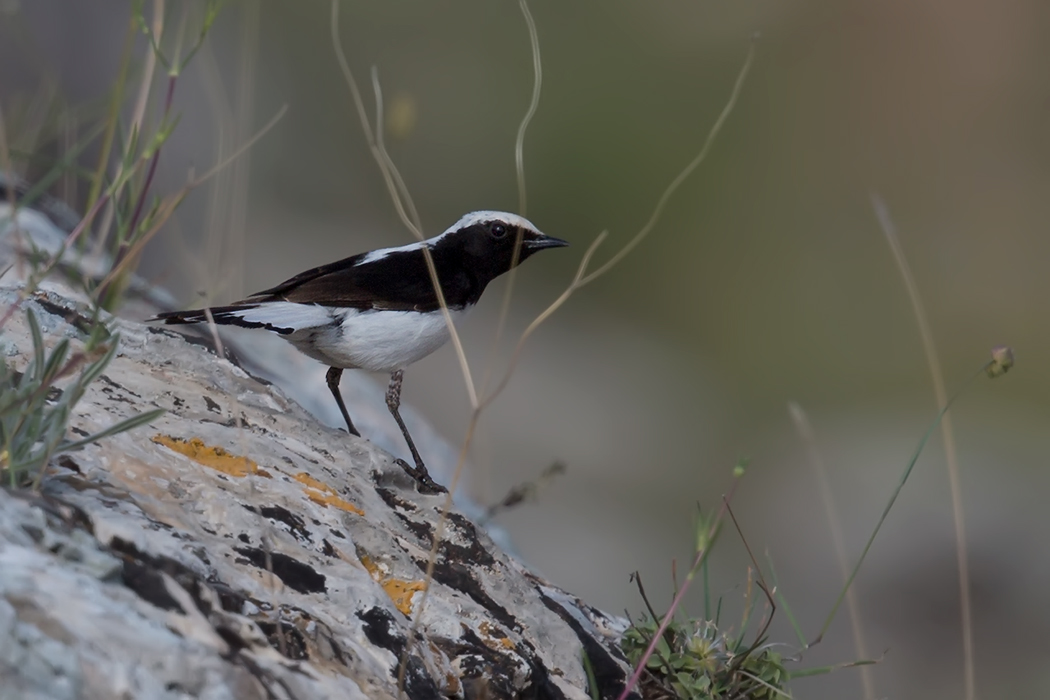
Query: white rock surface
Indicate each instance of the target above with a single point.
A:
(236, 548)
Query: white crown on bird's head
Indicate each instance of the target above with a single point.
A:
(480, 217)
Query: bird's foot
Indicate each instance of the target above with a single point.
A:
(422, 477)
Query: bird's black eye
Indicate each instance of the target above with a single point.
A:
(498, 230)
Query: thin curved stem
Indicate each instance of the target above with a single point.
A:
(940, 395)
(686, 172)
(519, 169)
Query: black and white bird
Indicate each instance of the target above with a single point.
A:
(379, 311)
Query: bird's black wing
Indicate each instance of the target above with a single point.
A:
(398, 281)
(333, 272)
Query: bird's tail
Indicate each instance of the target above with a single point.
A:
(280, 317)
(222, 315)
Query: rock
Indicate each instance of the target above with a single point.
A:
(236, 548)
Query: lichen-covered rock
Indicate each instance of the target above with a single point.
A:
(236, 548)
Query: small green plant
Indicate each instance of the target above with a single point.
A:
(122, 213)
(696, 660)
(35, 410)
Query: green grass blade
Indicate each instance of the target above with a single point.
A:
(115, 429)
(782, 602)
(893, 499)
(38, 345)
(824, 670)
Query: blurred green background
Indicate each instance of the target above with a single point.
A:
(768, 279)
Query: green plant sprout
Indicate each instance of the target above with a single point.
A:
(698, 661)
(122, 215)
(35, 410)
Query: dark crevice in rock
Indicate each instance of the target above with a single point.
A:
(112, 384)
(473, 552)
(608, 673)
(234, 640)
(316, 634)
(495, 672)
(393, 500)
(114, 396)
(203, 342)
(241, 423)
(144, 572)
(539, 685)
(148, 584)
(141, 573)
(382, 629)
(230, 600)
(418, 683)
(294, 646)
(61, 514)
(295, 574)
(421, 529)
(36, 533)
(459, 577)
(69, 463)
(212, 405)
(296, 525)
(53, 393)
(492, 672)
(81, 322)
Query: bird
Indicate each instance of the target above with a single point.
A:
(379, 311)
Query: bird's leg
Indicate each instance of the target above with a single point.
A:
(393, 402)
(333, 377)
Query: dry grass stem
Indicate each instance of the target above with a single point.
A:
(576, 283)
(805, 431)
(138, 119)
(403, 195)
(686, 172)
(8, 172)
(388, 172)
(228, 197)
(947, 433)
(534, 103)
(115, 102)
(43, 271)
(409, 217)
(519, 171)
(170, 203)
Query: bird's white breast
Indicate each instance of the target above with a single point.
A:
(377, 341)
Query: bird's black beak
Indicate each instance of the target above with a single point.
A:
(541, 241)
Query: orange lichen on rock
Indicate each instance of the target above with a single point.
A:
(399, 590)
(212, 457)
(325, 495)
(494, 636)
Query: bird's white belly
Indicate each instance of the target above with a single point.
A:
(377, 341)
